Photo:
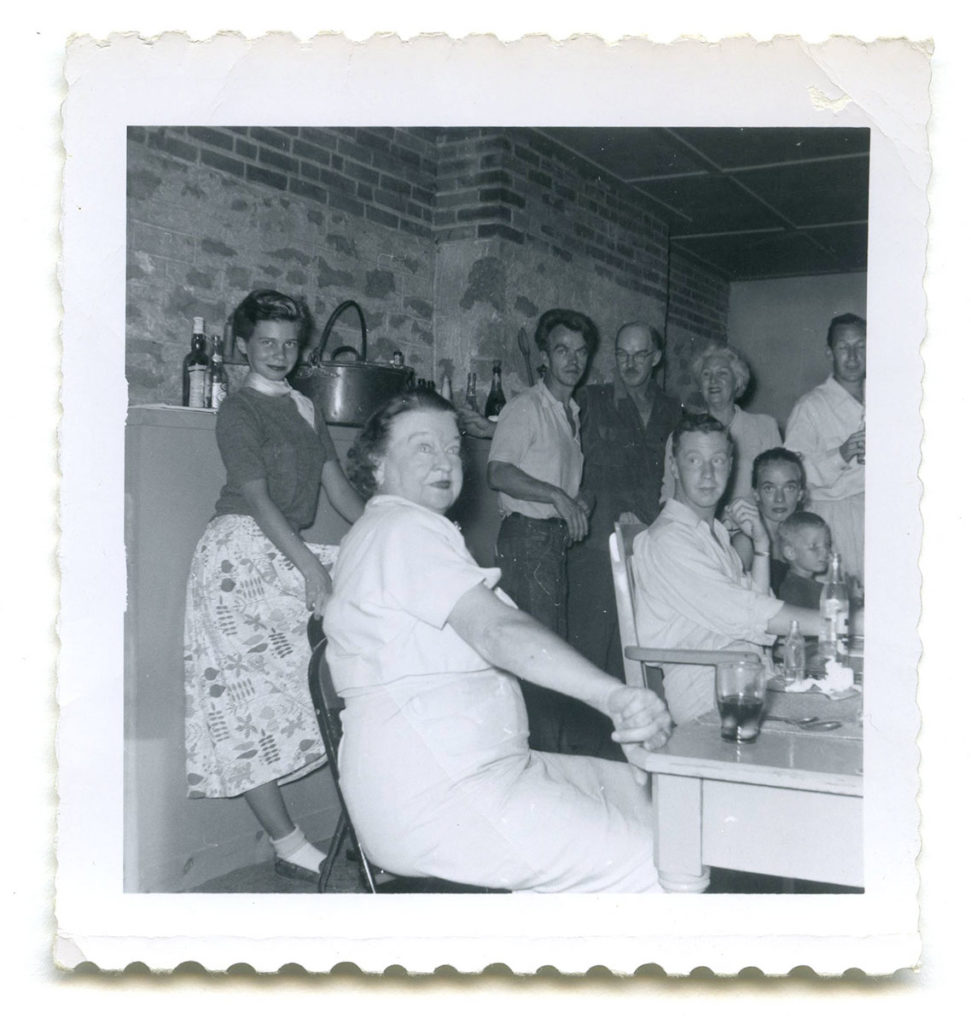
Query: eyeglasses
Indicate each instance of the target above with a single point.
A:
(640, 358)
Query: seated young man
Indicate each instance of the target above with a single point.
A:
(691, 590)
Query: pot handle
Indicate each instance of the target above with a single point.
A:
(329, 326)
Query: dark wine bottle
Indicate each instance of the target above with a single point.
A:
(496, 399)
(195, 367)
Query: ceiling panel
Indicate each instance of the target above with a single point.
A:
(712, 203)
(733, 184)
(748, 257)
(814, 193)
(628, 153)
(849, 241)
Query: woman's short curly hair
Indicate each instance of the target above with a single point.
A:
(372, 442)
(267, 304)
(738, 363)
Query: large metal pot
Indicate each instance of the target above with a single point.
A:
(345, 394)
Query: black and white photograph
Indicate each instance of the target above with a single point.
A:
(482, 508)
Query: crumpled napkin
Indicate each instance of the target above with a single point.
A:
(837, 683)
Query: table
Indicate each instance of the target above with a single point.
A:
(789, 804)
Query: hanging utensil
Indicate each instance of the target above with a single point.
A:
(522, 339)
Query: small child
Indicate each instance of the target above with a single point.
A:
(805, 541)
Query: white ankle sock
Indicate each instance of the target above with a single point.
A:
(297, 850)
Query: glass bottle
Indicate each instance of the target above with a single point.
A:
(470, 399)
(794, 655)
(496, 399)
(446, 391)
(218, 378)
(229, 338)
(195, 367)
(834, 606)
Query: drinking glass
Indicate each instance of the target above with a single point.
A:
(740, 692)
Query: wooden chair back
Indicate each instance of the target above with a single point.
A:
(638, 660)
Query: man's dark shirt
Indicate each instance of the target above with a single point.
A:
(623, 459)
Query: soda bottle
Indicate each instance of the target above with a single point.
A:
(218, 378)
(496, 399)
(794, 655)
(834, 606)
(195, 367)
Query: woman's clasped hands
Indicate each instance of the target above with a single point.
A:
(640, 717)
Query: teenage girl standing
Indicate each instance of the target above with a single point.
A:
(250, 724)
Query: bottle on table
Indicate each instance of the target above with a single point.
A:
(834, 606)
(218, 378)
(195, 367)
(470, 399)
(794, 655)
(496, 399)
(229, 337)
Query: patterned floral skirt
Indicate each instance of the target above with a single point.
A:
(249, 716)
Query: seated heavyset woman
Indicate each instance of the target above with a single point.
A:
(435, 767)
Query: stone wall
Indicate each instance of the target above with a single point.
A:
(450, 239)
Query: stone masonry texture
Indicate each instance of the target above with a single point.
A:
(450, 239)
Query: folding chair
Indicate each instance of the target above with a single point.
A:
(637, 658)
(327, 707)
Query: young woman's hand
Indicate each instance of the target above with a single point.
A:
(744, 513)
(319, 588)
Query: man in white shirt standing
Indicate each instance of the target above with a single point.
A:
(536, 464)
(827, 427)
(690, 588)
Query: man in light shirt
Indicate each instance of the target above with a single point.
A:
(536, 464)
(827, 428)
(690, 588)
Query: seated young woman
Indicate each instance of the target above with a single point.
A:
(425, 650)
(779, 488)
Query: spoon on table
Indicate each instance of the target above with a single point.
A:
(812, 723)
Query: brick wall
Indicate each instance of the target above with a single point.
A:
(450, 239)
(697, 315)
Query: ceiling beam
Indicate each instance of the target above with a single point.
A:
(797, 229)
(721, 171)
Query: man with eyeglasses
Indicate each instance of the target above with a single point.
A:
(623, 430)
